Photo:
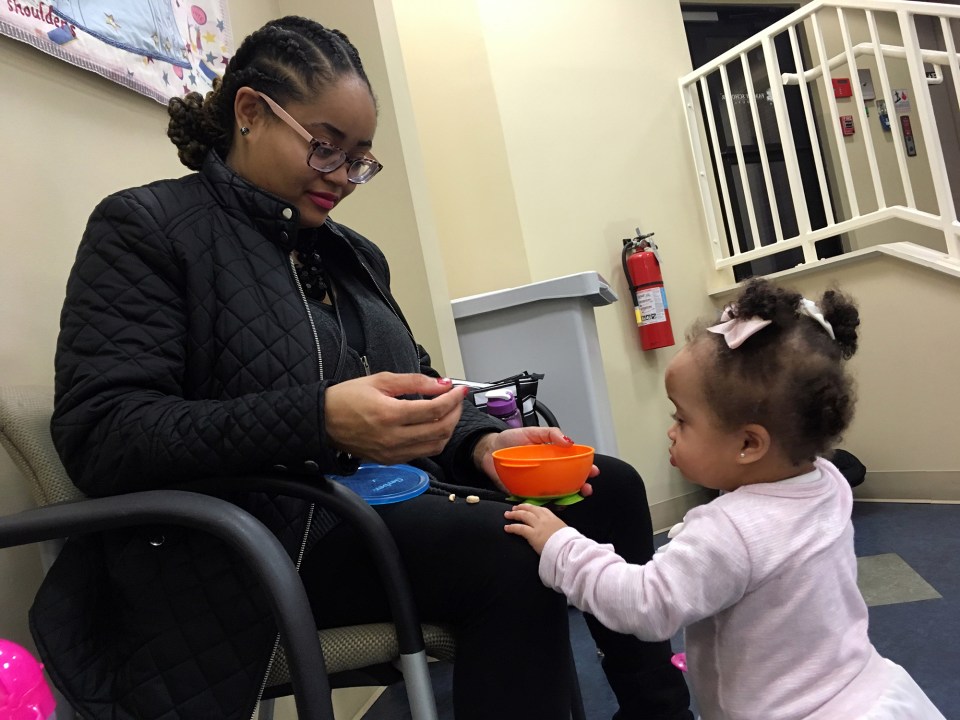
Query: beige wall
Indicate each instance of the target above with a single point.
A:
(443, 49)
(581, 101)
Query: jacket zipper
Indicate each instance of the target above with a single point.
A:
(366, 365)
(310, 511)
(276, 640)
(306, 306)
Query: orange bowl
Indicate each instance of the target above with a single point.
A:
(543, 471)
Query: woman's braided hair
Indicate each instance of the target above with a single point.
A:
(789, 377)
(288, 59)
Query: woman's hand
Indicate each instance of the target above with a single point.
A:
(366, 418)
(483, 452)
(534, 524)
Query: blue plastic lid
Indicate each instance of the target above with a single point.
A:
(382, 484)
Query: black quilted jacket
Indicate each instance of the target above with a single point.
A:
(187, 350)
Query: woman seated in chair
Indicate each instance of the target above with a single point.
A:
(223, 324)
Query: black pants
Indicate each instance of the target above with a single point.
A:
(513, 650)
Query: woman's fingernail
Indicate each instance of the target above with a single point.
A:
(444, 381)
(567, 439)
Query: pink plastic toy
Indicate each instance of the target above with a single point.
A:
(680, 660)
(24, 693)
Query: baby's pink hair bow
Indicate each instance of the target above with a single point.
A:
(736, 330)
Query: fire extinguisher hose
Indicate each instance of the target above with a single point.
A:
(627, 247)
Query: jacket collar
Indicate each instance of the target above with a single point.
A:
(274, 217)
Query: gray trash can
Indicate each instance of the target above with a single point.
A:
(546, 327)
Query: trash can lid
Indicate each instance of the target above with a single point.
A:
(382, 484)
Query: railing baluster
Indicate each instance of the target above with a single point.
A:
(790, 159)
(718, 159)
(703, 182)
(931, 133)
(861, 110)
(811, 127)
(754, 240)
(951, 47)
(833, 119)
(762, 146)
(887, 93)
(946, 26)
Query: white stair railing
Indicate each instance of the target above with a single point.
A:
(752, 184)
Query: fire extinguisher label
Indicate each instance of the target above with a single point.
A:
(651, 306)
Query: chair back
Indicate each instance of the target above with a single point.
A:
(25, 413)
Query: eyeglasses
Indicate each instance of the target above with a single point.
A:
(324, 157)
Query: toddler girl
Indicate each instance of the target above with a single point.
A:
(763, 578)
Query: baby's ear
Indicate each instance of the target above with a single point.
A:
(755, 443)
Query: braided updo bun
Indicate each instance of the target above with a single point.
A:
(288, 59)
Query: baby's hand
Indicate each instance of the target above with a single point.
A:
(535, 524)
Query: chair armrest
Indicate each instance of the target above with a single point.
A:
(258, 547)
(546, 413)
(353, 509)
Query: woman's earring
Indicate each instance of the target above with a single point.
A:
(244, 130)
(743, 454)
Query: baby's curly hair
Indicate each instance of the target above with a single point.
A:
(789, 377)
(287, 59)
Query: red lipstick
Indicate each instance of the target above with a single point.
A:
(323, 200)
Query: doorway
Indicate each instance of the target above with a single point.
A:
(712, 30)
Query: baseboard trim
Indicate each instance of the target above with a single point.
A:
(905, 486)
(910, 486)
(668, 513)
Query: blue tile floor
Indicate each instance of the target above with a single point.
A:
(921, 635)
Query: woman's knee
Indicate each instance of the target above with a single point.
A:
(619, 481)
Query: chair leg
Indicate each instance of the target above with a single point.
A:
(266, 710)
(416, 677)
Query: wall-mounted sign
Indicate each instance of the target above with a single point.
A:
(846, 125)
(901, 102)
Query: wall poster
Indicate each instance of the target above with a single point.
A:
(160, 48)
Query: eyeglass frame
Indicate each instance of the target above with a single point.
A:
(315, 143)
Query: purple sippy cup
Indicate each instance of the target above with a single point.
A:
(504, 406)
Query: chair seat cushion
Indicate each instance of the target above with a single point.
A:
(358, 646)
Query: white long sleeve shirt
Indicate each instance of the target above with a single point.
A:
(764, 579)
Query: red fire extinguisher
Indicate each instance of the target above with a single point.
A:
(641, 266)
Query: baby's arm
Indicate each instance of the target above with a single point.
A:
(705, 569)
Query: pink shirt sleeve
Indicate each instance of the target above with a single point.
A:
(705, 569)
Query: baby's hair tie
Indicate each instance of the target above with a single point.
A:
(810, 309)
(736, 330)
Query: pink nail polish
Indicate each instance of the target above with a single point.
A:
(567, 439)
(444, 381)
